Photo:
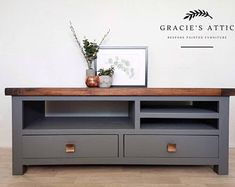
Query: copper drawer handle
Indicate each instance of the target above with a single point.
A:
(171, 148)
(69, 148)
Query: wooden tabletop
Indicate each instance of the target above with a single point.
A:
(124, 91)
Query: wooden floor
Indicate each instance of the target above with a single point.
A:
(115, 176)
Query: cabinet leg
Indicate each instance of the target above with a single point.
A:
(221, 169)
(18, 169)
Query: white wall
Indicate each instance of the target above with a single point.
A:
(37, 48)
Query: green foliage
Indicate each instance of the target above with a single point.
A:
(108, 72)
(91, 49)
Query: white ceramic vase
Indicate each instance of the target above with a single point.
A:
(105, 81)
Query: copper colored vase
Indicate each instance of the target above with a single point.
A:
(92, 81)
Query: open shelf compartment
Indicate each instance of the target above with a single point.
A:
(42, 115)
(178, 124)
(179, 107)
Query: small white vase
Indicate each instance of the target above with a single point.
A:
(105, 81)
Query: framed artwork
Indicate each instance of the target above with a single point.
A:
(130, 64)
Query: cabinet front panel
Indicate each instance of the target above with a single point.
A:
(170, 146)
(70, 146)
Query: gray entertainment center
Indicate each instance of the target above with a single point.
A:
(147, 126)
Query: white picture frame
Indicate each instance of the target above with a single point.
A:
(130, 64)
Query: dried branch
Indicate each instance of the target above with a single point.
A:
(79, 44)
(107, 33)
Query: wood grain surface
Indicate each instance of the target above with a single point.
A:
(130, 91)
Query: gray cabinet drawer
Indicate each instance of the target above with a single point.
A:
(156, 146)
(85, 146)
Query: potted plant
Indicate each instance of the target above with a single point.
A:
(89, 50)
(105, 77)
